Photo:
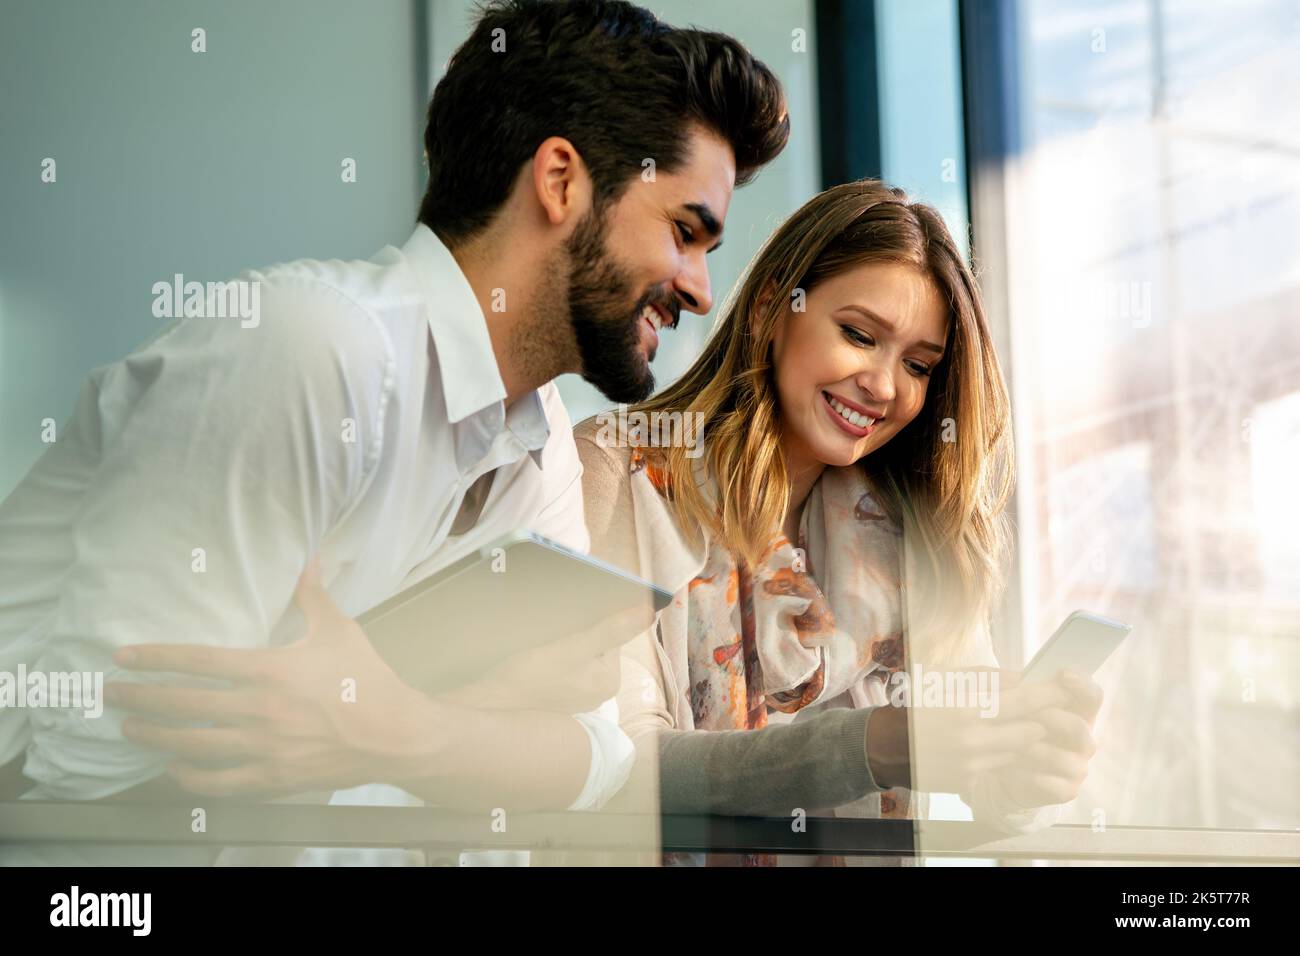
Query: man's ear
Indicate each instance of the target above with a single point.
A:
(560, 181)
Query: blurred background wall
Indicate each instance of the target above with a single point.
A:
(173, 161)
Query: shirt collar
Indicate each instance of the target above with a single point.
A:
(527, 419)
(471, 379)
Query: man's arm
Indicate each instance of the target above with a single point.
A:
(222, 468)
(601, 749)
(532, 734)
(475, 760)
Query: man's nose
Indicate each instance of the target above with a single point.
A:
(692, 286)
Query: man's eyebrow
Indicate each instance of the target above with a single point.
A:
(876, 317)
(708, 220)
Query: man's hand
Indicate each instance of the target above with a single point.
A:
(570, 676)
(322, 713)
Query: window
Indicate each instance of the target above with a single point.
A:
(1135, 191)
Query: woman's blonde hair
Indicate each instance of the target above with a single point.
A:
(944, 478)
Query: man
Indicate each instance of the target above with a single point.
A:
(582, 157)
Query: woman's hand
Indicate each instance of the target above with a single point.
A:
(1031, 742)
(942, 749)
(1052, 770)
(323, 713)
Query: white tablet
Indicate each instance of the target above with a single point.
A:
(517, 593)
(1081, 644)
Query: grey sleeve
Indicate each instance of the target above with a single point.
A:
(817, 763)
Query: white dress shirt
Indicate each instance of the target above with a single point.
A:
(347, 422)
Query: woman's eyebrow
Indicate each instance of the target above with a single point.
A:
(876, 317)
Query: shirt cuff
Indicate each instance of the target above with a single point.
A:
(612, 755)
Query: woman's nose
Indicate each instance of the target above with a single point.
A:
(877, 383)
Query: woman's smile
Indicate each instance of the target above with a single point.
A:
(838, 411)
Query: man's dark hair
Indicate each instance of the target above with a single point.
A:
(610, 77)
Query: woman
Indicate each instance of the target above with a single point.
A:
(856, 461)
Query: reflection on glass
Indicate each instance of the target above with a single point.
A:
(1155, 260)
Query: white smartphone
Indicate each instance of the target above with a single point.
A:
(1081, 644)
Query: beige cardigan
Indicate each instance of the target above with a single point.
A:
(654, 697)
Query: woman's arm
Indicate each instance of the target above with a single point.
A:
(811, 764)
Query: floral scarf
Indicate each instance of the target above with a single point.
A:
(805, 624)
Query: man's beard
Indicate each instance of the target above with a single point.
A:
(599, 289)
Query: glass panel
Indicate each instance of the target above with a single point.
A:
(1154, 255)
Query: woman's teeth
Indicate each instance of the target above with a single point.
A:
(848, 414)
